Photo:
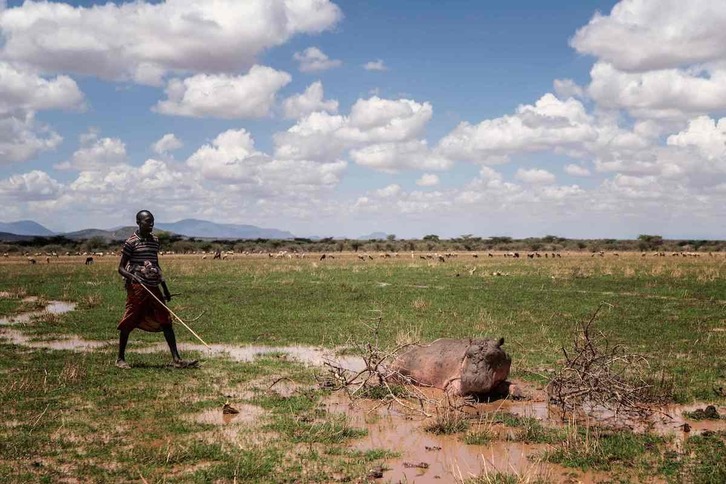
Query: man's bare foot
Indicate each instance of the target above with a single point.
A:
(122, 364)
(185, 363)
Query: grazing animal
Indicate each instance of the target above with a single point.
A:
(89, 260)
(31, 260)
(457, 366)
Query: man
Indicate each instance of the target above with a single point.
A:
(140, 267)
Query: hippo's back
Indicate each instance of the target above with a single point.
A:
(434, 364)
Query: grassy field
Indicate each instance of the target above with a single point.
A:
(74, 415)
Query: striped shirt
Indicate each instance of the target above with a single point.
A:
(143, 254)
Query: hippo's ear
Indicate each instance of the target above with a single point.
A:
(500, 342)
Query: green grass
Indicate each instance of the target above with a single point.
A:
(75, 416)
(665, 309)
(704, 459)
(604, 451)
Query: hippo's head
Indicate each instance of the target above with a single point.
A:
(485, 366)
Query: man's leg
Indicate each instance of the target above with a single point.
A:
(123, 340)
(171, 341)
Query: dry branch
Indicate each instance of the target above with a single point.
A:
(598, 377)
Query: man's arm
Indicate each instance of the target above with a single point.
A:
(122, 268)
(167, 294)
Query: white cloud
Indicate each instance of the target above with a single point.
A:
(389, 191)
(668, 93)
(428, 180)
(549, 124)
(313, 59)
(704, 134)
(33, 186)
(392, 157)
(23, 90)
(248, 96)
(576, 170)
(535, 176)
(142, 41)
(566, 88)
(232, 159)
(95, 154)
(374, 121)
(311, 100)
(166, 144)
(376, 65)
(644, 35)
(22, 138)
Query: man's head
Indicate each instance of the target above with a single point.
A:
(145, 221)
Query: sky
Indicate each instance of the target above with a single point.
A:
(521, 118)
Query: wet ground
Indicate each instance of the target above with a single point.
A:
(425, 457)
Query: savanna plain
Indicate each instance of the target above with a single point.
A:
(69, 415)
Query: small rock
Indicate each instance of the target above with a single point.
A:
(711, 412)
(228, 409)
(376, 472)
(432, 447)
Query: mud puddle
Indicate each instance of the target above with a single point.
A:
(425, 457)
(308, 355)
(72, 343)
(53, 307)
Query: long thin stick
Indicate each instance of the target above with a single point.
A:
(172, 312)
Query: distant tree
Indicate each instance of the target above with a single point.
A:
(431, 238)
(355, 245)
(94, 244)
(390, 237)
(165, 238)
(649, 242)
(500, 240)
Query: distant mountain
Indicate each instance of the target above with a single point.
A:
(188, 227)
(207, 230)
(374, 236)
(121, 233)
(24, 227)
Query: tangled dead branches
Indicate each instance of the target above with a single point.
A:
(597, 377)
(374, 378)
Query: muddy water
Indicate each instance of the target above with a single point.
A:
(446, 458)
(53, 307)
(308, 355)
(426, 457)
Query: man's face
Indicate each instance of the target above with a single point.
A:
(146, 224)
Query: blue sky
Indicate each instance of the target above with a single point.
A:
(341, 118)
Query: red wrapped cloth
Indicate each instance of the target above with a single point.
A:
(143, 311)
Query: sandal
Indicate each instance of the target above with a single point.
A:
(185, 364)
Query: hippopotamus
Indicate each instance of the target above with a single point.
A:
(458, 366)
